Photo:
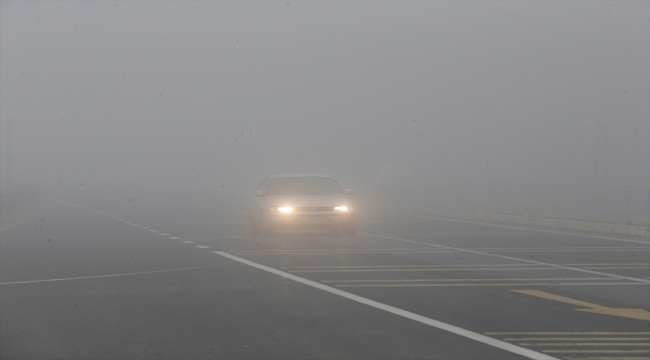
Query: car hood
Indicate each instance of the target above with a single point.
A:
(307, 200)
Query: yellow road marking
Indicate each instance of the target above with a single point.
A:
(504, 284)
(410, 250)
(608, 358)
(597, 351)
(569, 333)
(569, 248)
(612, 264)
(463, 234)
(392, 266)
(578, 338)
(345, 252)
(430, 269)
(584, 344)
(617, 268)
(448, 280)
(318, 250)
(560, 250)
(379, 267)
(638, 314)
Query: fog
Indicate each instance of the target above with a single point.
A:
(213, 96)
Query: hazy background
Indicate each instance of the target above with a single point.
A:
(210, 96)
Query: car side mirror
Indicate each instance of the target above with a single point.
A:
(349, 192)
(257, 193)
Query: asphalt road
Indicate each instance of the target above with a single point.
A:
(164, 276)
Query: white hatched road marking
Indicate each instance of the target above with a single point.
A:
(397, 311)
(556, 266)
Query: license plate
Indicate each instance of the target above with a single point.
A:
(314, 221)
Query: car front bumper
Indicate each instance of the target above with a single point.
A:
(311, 220)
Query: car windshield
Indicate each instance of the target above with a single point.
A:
(308, 185)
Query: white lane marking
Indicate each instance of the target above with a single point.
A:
(144, 227)
(188, 242)
(154, 231)
(397, 311)
(202, 246)
(130, 223)
(174, 238)
(510, 227)
(111, 275)
(40, 213)
(163, 234)
(137, 225)
(511, 258)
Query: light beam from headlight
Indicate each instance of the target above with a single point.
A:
(285, 209)
(341, 208)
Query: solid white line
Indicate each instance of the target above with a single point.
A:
(397, 311)
(112, 275)
(509, 227)
(511, 258)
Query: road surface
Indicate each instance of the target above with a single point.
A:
(164, 276)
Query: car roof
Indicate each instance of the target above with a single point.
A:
(297, 175)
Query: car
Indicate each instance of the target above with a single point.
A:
(299, 201)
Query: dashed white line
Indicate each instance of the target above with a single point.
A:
(202, 246)
(154, 231)
(164, 234)
(397, 311)
(174, 238)
(188, 242)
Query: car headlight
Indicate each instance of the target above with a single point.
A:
(341, 208)
(285, 209)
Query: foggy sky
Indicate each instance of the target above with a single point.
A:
(200, 93)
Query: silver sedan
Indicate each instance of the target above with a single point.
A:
(301, 201)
